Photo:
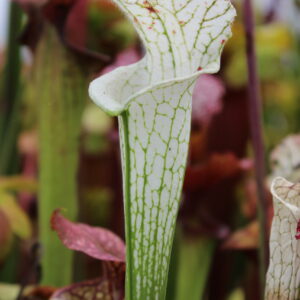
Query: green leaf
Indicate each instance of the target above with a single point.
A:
(195, 257)
(9, 291)
(60, 100)
(18, 184)
(183, 39)
(17, 217)
(31, 292)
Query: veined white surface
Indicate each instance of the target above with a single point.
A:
(283, 277)
(183, 39)
(285, 159)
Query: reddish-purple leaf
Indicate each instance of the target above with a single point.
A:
(97, 289)
(96, 242)
(69, 19)
(217, 168)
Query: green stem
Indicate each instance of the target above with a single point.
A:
(174, 266)
(129, 262)
(60, 94)
(10, 104)
(195, 257)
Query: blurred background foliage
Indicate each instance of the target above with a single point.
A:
(54, 48)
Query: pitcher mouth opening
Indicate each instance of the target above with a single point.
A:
(103, 90)
(280, 181)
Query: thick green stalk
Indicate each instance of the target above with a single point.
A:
(9, 105)
(60, 98)
(195, 256)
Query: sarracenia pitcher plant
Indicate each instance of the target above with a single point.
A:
(152, 98)
(283, 277)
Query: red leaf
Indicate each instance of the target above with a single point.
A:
(218, 167)
(96, 242)
(69, 19)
